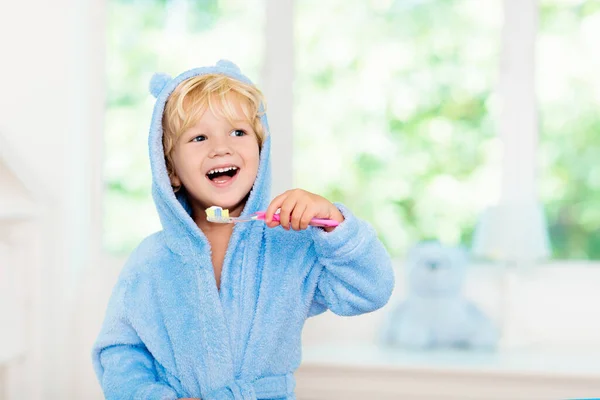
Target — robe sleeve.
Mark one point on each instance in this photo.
(123, 365)
(357, 275)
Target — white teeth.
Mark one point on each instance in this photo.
(213, 171)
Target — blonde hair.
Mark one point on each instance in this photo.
(215, 92)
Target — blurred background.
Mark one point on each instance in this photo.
(423, 116)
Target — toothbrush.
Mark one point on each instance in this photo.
(218, 215)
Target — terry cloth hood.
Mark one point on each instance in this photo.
(169, 333)
(181, 232)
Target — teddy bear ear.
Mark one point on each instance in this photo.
(226, 64)
(423, 246)
(462, 254)
(158, 83)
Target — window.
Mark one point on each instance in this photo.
(396, 115)
(394, 99)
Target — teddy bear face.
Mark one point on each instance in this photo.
(435, 270)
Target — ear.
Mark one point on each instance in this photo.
(175, 181)
(460, 255)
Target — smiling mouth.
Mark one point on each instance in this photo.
(222, 175)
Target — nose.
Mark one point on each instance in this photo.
(220, 147)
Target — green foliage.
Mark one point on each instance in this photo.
(401, 91)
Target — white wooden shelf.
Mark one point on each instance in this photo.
(16, 203)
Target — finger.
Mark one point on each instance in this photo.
(309, 214)
(273, 206)
(299, 210)
(272, 224)
(287, 207)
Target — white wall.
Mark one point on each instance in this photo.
(46, 120)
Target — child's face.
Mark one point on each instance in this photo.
(215, 143)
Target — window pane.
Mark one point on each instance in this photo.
(568, 85)
(393, 112)
(160, 36)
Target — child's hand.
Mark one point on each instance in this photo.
(298, 207)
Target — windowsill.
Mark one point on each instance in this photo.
(549, 363)
(359, 371)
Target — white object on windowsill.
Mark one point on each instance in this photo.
(512, 233)
(515, 236)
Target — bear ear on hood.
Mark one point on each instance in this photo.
(226, 64)
(159, 80)
(158, 83)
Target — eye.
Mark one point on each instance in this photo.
(238, 132)
(199, 138)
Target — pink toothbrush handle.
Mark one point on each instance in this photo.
(313, 222)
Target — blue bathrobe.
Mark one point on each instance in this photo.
(170, 333)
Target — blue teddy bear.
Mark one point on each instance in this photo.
(435, 313)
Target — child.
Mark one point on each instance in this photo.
(215, 311)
